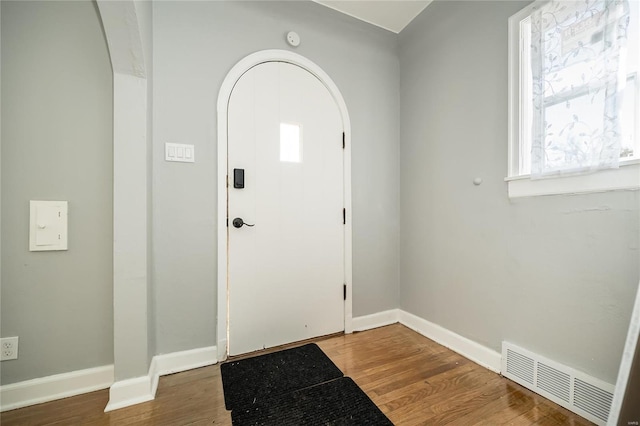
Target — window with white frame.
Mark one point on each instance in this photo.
(574, 97)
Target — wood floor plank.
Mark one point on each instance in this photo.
(499, 411)
(412, 379)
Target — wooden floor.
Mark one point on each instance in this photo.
(413, 380)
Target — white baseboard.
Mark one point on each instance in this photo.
(379, 319)
(124, 393)
(222, 349)
(154, 376)
(45, 389)
(186, 360)
(141, 389)
(477, 353)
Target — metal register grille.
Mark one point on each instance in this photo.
(592, 399)
(584, 395)
(554, 381)
(520, 366)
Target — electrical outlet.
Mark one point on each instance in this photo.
(8, 348)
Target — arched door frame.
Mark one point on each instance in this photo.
(223, 102)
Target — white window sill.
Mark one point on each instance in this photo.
(626, 177)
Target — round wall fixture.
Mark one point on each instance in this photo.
(293, 38)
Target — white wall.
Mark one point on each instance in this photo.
(56, 145)
(195, 45)
(557, 274)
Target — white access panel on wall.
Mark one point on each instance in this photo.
(48, 225)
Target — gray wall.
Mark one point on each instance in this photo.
(56, 145)
(195, 45)
(557, 274)
(553, 274)
(144, 10)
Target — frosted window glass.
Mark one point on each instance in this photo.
(290, 143)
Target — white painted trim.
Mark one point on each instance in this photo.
(223, 101)
(177, 362)
(476, 352)
(626, 177)
(513, 102)
(379, 319)
(121, 394)
(154, 375)
(125, 393)
(50, 388)
(630, 348)
(222, 355)
(141, 389)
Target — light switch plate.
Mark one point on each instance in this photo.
(179, 152)
(48, 225)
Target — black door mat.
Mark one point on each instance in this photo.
(338, 402)
(254, 380)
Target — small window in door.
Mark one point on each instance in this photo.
(290, 143)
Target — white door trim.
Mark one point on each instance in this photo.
(223, 102)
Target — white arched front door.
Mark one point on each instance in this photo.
(225, 174)
(286, 264)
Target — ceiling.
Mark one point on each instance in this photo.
(392, 15)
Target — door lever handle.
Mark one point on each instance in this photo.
(238, 222)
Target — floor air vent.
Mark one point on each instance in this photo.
(584, 395)
(554, 381)
(592, 399)
(520, 366)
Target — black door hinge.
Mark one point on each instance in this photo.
(344, 292)
(227, 222)
(343, 140)
(344, 216)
